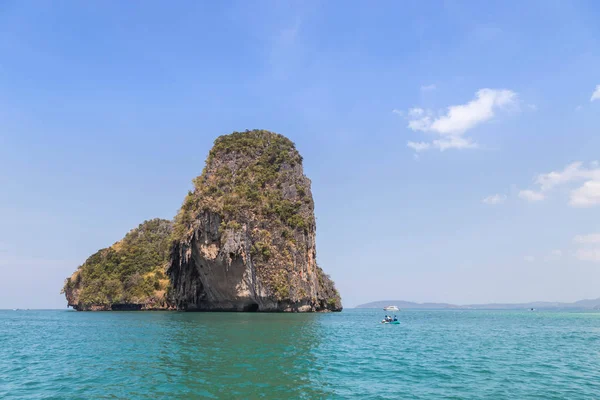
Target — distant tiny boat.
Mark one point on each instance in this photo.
(391, 308)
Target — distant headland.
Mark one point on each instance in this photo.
(593, 304)
(243, 240)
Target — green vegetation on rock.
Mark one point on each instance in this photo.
(245, 173)
(132, 271)
(328, 291)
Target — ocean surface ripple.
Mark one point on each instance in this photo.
(446, 354)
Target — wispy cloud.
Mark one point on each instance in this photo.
(494, 199)
(428, 88)
(586, 195)
(458, 119)
(286, 50)
(588, 255)
(591, 238)
(531, 196)
(418, 146)
(287, 36)
(589, 247)
(554, 255)
(551, 256)
(596, 94)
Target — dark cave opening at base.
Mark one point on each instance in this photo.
(251, 307)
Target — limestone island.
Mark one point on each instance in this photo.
(243, 240)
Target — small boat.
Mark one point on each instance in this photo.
(391, 308)
(391, 322)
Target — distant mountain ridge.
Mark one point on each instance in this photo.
(591, 304)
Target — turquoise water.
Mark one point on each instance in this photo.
(171, 355)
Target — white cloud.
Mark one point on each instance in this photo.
(586, 195)
(531, 196)
(463, 117)
(451, 127)
(418, 146)
(399, 112)
(454, 142)
(589, 247)
(591, 238)
(427, 88)
(529, 258)
(415, 112)
(495, 199)
(579, 108)
(419, 124)
(588, 255)
(596, 94)
(571, 172)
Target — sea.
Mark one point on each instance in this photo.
(432, 354)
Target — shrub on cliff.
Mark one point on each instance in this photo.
(129, 272)
(244, 174)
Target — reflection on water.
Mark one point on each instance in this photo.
(241, 355)
(159, 355)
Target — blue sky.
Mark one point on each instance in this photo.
(452, 146)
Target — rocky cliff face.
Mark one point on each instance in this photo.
(129, 275)
(245, 236)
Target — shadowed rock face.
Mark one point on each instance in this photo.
(245, 237)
